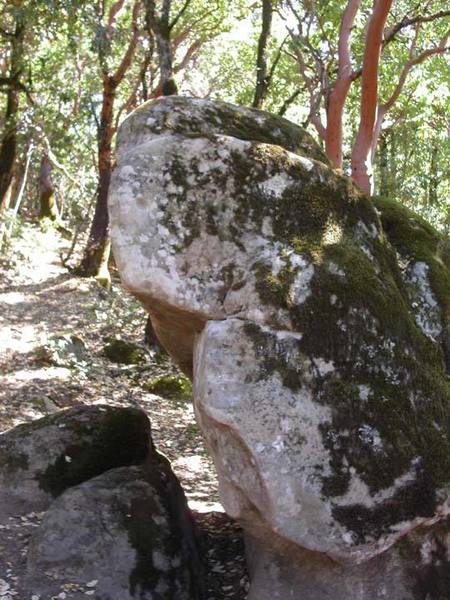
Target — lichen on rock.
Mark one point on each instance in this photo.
(315, 321)
(127, 532)
(41, 459)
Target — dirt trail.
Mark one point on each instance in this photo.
(39, 299)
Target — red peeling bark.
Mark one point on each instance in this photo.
(336, 102)
(362, 150)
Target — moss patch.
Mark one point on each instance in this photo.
(12, 461)
(174, 387)
(416, 239)
(357, 317)
(187, 117)
(124, 352)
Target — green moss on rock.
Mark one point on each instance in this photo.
(186, 116)
(357, 317)
(417, 240)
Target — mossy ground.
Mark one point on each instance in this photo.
(174, 387)
(124, 352)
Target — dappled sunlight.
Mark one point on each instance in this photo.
(26, 375)
(333, 233)
(19, 339)
(43, 302)
(12, 298)
(205, 507)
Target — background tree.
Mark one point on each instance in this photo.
(96, 253)
(12, 35)
(313, 55)
(329, 68)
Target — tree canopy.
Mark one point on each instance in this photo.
(369, 78)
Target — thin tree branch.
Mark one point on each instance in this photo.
(126, 60)
(113, 12)
(416, 60)
(275, 62)
(390, 34)
(189, 55)
(132, 97)
(286, 104)
(180, 14)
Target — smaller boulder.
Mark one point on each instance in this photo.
(41, 459)
(125, 534)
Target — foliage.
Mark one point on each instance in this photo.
(214, 47)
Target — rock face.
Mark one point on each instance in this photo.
(39, 460)
(116, 525)
(316, 325)
(125, 534)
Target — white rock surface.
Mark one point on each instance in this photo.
(320, 389)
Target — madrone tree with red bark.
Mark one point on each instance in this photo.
(329, 66)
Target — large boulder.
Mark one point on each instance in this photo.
(41, 459)
(315, 325)
(122, 535)
(191, 235)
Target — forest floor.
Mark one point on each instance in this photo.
(40, 302)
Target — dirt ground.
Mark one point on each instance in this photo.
(39, 299)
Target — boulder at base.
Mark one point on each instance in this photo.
(315, 323)
(123, 535)
(41, 459)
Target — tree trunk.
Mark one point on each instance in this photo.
(160, 27)
(261, 60)
(8, 146)
(433, 179)
(383, 166)
(168, 85)
(96, 254)
(363, 148)
(47, 202)
(338, 96)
